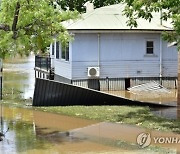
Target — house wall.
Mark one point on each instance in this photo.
(63, 69)
(170, 60)
(121, 56)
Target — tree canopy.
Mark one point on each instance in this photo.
(79, 4)
(169, 9)
(30, 25)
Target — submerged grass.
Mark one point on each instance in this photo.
(139, 116)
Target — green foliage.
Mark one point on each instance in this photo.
(79, 4)
(36, 25)
(143, 9)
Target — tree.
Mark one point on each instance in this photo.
(169, 9)
(79, 4)
(31, 25)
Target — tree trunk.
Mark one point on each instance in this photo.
(15, 21)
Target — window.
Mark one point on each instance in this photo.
(53, 49)
(65, 51)
(149, 47)
(57, 50)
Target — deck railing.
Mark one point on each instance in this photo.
(43, 62)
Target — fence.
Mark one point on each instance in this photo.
(43, 62)
(51, 93)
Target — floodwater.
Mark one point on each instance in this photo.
(158, 98)
(35, 132)
(30, 133)
(18, 78)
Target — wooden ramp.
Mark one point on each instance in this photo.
(51, 93)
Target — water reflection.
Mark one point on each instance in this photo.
(21, 135)
(30, 133)
(169, 113)
(18, 78)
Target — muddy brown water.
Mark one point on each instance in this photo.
(35, 132)
(159, 98)
(41, 132)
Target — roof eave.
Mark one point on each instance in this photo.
(118, 30)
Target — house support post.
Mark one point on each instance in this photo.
(178, 97)
(160, 60)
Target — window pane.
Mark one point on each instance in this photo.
(149, 43)
(149, 50)
(63, 51)
(67, 52)
(57, 50)
(53, 49)
(149, 47)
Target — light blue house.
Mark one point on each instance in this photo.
(106, 54)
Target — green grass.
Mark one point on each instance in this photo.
(140, 116)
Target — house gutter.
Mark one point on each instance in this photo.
(98, 50)
(160, 60)
(116, 31)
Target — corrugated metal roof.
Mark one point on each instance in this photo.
(112, 18)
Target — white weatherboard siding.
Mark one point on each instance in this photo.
(170, 68)
(121, 55)
(85, 47)
(63, 68)
(118, 69)
(170, 60)
(127, 47)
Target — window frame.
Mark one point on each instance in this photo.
(149, 47)
(57, 50)
(65, 54)
(53, 49)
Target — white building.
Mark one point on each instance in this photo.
(105, 53)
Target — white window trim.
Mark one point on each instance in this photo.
(154, 48)
(62, 59)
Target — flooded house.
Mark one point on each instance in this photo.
(106, 54)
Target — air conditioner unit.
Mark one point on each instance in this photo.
(93, 72)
